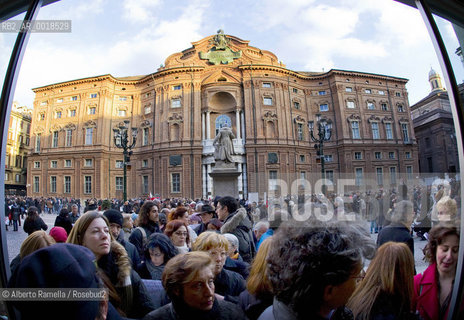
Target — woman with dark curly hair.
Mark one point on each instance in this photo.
(177, 231)
(159, 251)
(434, 287)
(313, 267)
(147, 224)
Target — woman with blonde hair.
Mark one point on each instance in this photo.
(127, 292)
(258, 295)
(387, 288)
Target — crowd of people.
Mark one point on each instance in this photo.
(229, 259)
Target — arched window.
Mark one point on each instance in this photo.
(222, 121)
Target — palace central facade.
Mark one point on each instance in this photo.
(220, 80)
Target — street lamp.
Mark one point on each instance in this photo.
(121, 140)
(324, 128)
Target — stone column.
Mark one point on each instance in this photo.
(203, 126)
(205, 181)
(240, 183)
(237, 122)
(245, 181)
(243, 126)
(208, 126)
(210, 181)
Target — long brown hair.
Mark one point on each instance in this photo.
(391, 272)
(258, 283)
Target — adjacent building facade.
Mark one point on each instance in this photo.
(17, 149)
(434, 130)
(221, 80)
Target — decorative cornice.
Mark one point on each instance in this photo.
(387, 119)
(300, 120)
(270, 116)
(354, 117)
(145, 124)
(90, 124)
(175, 118)
(373, 118)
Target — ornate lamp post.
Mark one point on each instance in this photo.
(121, 140)
(324, 133)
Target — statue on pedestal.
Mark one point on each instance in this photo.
(224, 146)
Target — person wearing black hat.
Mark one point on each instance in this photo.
(206, 214)
(115, 219)
(60, 266)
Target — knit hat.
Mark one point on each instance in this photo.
(59, 234)
(61, 265)
(114, 216)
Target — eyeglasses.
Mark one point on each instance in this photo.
(181, 234)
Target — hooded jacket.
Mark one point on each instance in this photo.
(239, 224)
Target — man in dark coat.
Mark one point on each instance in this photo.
(237, 221)
(115, 219)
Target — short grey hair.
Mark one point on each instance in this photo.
(260, 224)
(233, 240)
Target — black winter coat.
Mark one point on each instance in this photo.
(32, 224)
(239, 224)
(136, 237)
(64, 221)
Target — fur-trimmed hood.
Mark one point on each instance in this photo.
(238, 218)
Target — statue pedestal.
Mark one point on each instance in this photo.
(224, 176)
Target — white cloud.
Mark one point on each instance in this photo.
(140, 11)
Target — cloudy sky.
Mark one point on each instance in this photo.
(134, 37)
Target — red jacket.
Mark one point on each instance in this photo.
(426, 294)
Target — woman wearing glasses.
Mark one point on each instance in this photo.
(177, 231)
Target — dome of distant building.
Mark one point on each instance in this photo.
(432, 73)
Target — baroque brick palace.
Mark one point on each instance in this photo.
(179, 109)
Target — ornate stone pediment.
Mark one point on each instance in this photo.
(387, 119)
(90, 124)
(39, 129)
(175, 118)
(299, 119)
(145, 124)
(270, 116)
(373, 118)
(55, 127)
(403, 120)
(220, 52)
(354, 117)
(70, 126)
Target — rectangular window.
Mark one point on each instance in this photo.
(145, 134)
(323, 107)
(119, 164)
(67, 184)
(384, 107)
(302, 158)
(272, 180)
(93, 95)
(92, 110)
(17, 178)
(381, 92)
(88, 162)
(378, 155)
(7, 176)
(74, 98)
(328, 158)
(295, 90)
(43, 103)
(266, 84)
(37, 142)
(296, 105)
(375, 130)
(87, 184)
(404, 128)
(175, 182)
(177, 87)
(358, 155)
(121, 113)
(391, 155)
(68, 137)
(54, 164)
(122, 98)
(350, 104)
(55, 139)
(349, 89)
(59, 100)
(322, 93)
(369, 91)
(393, 175)
(389, 131)
(407, 155)
(398, 94)
(144, 163)
(67, 163)
(145, 184)
(72, 113)
(147, 109)
(355, 130)
(329, 175)
(358, 176)
(400, 108)
(303, 175)
(409, 172)
(379, 172)
(267, 101)
(58, 115)
(300, 131)
(370, 106)
(36, 184)
(88, 136)
(42, 116)
(119, 183)
(36, 164)
(53, 184)
(175, 103)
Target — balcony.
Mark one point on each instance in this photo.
(208, 148)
